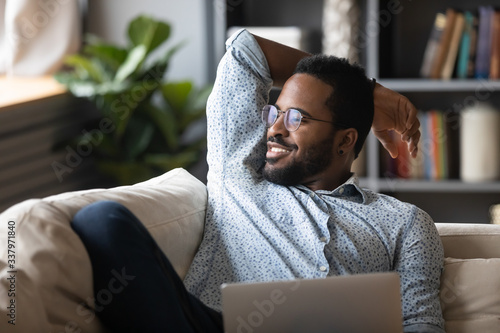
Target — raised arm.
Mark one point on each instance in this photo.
(281, 59)
(393, 111)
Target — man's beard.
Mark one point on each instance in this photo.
(316, 160)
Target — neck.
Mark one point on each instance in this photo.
(329, 183)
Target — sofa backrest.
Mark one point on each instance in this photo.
(468, 241)
(53, 271)
(470, 283)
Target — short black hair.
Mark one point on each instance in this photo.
(351, 101)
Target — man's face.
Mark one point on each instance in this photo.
(306, 154)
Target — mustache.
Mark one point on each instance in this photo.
(280, 141)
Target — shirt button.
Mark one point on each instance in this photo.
(311, 195)
(323, 239)
(341, 190)
(322, 268)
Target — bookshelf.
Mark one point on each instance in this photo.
(395, 57)
(395, 38)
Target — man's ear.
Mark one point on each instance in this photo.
(348, 140)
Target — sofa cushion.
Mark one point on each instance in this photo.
(470, 295)
(52, 272)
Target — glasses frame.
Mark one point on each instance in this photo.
(285, 113)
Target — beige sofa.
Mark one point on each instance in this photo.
(47, 287)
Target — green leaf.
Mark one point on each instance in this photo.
(134, 60)
(108, 54)
(176, 94)
(138, 137)
(146, 31)
(86, 67)
(157, 69)
(89, 89)
(66, 78)
(167, 124)
(83, 88)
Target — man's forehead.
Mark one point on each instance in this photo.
(304, 91)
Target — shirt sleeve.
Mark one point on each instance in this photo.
(420, 265)
(236, 145)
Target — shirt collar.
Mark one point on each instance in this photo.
(350, 188)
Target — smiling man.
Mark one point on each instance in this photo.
(335, 123)
(282, 201)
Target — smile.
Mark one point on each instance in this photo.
(279, 150)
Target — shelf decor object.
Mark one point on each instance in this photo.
(341, 28)
(480, 144)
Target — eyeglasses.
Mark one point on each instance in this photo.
(292, 119)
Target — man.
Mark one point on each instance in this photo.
(282, 205)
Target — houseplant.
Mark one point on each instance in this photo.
(149, 120)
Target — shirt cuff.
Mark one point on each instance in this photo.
(422, 328)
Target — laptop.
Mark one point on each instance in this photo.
(353, 304)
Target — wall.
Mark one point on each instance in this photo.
(189, 21)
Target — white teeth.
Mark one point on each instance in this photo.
(279, 150)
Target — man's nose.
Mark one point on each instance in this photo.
(278, 127)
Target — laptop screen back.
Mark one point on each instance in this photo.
(355, 303)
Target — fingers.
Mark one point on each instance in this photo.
(412, 112)
(388, 142)
(412, 131)
(411, 134)
(413, 144)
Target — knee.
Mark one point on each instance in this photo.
(96, 217)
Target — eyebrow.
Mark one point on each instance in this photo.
(304, 112)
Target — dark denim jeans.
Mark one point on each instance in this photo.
(136, 288)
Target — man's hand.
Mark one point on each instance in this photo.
(395, 112)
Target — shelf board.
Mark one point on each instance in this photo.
(428, 85)
(17, 90)
(457, 186)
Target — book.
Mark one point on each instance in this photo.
(438, 137)
(435, 134)
(443, 139)
(427, 145)
(433, 45)
(451, 54)
(452, 128)
(483, 52)
(495, 47)
(424, 145)
(444, 44)
(471, 66)
(465, 46)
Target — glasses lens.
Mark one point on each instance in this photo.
(269, 115)
(292, 120)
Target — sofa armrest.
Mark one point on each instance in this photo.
(52, 272)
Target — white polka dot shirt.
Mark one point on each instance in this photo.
(259, 231)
